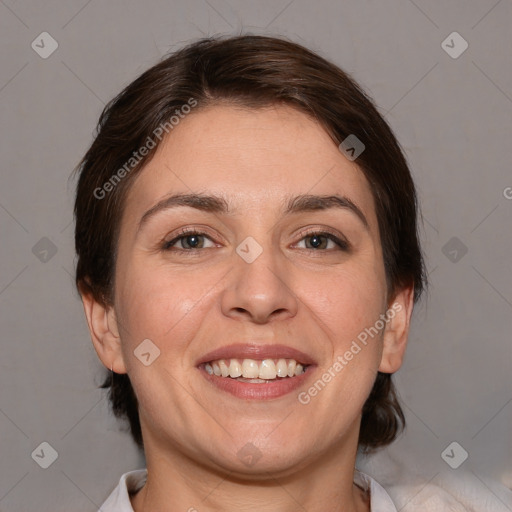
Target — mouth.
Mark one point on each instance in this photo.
(256, 371)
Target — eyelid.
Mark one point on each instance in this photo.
(182, 232)
(338, 237)
(335, 236)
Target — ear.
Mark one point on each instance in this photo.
(396, 331)
(104, 331)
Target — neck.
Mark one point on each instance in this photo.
(176, 482)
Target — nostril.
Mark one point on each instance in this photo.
(280, 311)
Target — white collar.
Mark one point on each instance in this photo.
(133, 481)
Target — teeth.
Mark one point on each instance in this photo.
(282, 368)
(267, 369)
(235, 369)
(224, 370)
(251, 381)
(250, 369)
(253, 370)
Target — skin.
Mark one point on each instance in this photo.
(316, 299)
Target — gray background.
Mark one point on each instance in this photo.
(453, 118)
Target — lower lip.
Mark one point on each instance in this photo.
(262, 391)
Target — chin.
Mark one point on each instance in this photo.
(260, 459)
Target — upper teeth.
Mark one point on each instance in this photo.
(267, 369)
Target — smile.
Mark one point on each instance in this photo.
(254, 370)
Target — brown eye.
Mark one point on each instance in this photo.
(317, 242)
(188, 241)
(323, 241)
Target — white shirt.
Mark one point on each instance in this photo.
(133, 481)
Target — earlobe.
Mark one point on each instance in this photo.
(104, 332)
(396, 331)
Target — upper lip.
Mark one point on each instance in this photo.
(256, 351)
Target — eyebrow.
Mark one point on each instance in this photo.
(305, 203)
(218, 205)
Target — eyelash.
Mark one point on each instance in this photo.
(342, 244)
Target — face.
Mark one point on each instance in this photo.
(280, 262)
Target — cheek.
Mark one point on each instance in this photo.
(345, 301)
(154, 304)
(346, 306)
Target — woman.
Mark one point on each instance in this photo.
(248, 261)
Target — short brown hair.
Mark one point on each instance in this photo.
(251, 71)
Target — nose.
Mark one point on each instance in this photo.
(259, 291)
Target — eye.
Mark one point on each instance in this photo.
(189, 240)
(323, 240)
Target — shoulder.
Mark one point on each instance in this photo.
(424, 485)
(448, 493)
(119, 499)
(380, 501)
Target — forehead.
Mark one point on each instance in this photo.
(256, 157)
